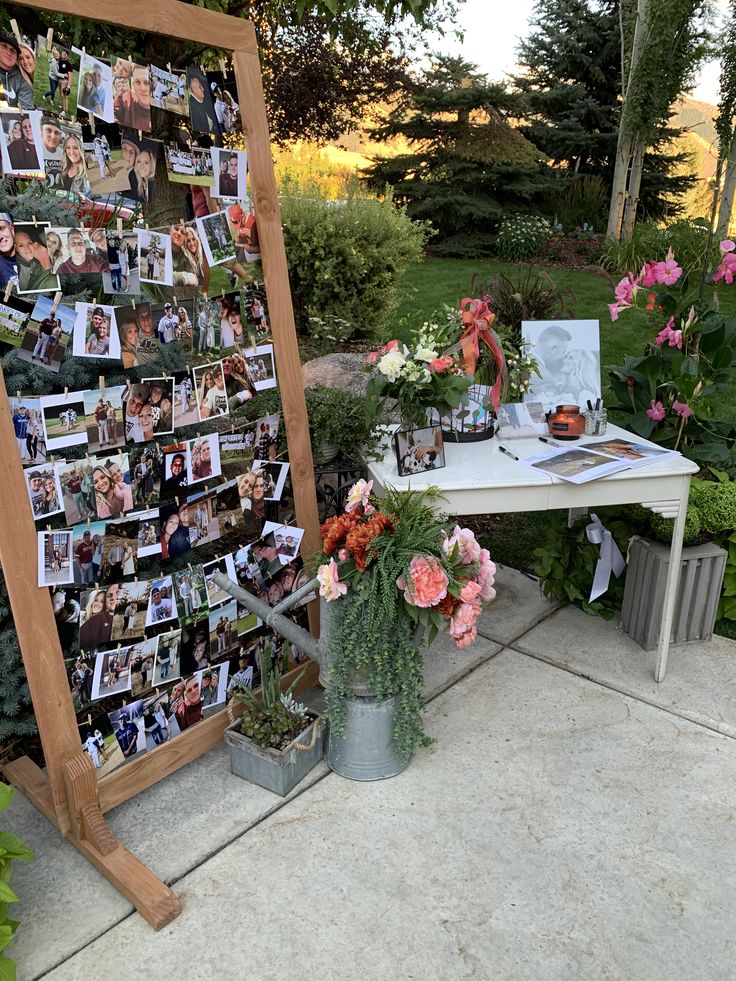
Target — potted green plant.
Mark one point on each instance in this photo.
(339, 424)
(277, 740)
(11, 848)
(392, 574)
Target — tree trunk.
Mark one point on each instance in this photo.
(625, 144)
(632, 196)
(727, 194)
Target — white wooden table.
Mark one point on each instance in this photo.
(479, 479)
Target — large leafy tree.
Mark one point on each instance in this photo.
(466, 166)
(324, 62)
(570, 81)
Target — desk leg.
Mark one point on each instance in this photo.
(673, 579)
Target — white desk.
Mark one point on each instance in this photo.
(479, 479)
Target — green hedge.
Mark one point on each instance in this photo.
(345, 259)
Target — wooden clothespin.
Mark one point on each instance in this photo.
(49, 38)
(15, 28)
(18, 396)
(223, 68)
(57, 300)
(132, 300)
(8, 289)
(120, 225)
(91, 120)
(101, 384)
(66, 391)
(35, 223)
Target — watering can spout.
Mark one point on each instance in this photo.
(273, 616)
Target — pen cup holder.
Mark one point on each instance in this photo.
(596, 422)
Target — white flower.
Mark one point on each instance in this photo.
(425, 354)
(391, 364)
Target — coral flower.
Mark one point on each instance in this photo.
(329, 582)
(462, 627)
(427, 582)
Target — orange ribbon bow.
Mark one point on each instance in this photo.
(477, 323)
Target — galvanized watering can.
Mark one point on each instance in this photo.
(365, 750)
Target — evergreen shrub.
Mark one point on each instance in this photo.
(346, 258)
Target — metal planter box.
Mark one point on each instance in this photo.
(701, 581)
(278, 771)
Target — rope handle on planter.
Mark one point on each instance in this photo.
(303, 749)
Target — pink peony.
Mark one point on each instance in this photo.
(468, 549)
(667, 272)
(656, 411)
(427, 582)
(329, 582)
(371, 358)
(682, 409)
(462, 627)
(390, 346)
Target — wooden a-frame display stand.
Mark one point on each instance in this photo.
(68, 792)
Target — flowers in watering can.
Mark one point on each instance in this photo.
(394, 573)
(443, 577)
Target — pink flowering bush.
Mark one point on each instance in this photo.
(672, 393)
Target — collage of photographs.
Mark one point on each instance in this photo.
(135, 516)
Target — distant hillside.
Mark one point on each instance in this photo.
(699, 118)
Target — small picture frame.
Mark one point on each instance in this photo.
(419, 450)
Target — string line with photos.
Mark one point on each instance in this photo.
(140, 649)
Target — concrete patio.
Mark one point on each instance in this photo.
(574, 820)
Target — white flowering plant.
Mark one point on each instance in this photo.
(420, 375)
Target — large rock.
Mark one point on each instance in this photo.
(340, 370)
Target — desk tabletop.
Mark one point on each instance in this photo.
(479, 478)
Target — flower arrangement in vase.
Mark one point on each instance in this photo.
(670, 393)
(443, 377)
(397, 576)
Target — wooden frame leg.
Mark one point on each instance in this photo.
(673, 580)
(153, 899)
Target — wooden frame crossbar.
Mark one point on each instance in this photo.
(68, 792)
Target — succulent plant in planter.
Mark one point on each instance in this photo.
(277, 740)
(275, 718)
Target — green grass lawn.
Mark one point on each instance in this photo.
(429, 284)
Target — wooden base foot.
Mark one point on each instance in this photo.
(90, 833)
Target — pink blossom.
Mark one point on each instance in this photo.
(427, 582)
(469, 594)
(468, 548)
(727, 268)
(371, 358)
(390, 346)
(656, 411)
(682, 409)
(667, 272)
(614, 310)
(672, 337)
(330, 586)
(486, 576)
(626, 289)
(647, 276)
(358, 496)
(462, 627)
(727, 245)
(343, 555)
(438, 365)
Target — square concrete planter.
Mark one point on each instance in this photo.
(698, 592)
(278, 771)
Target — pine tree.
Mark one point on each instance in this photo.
(571, 87)
(467, 167)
